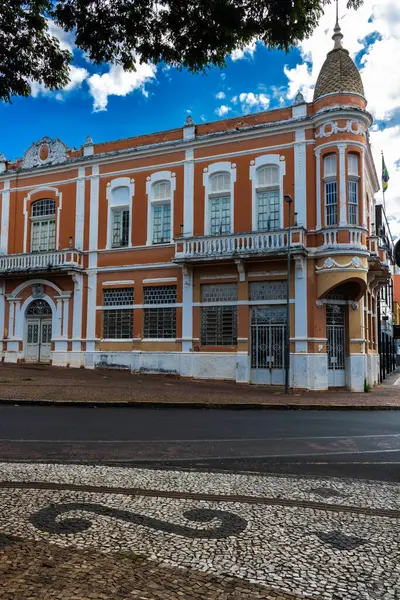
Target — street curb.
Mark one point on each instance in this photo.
(197, 405)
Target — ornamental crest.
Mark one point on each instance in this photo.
(45, 152)
(37, 290)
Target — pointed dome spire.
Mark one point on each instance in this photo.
(339, 74)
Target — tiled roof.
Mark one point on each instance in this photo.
(338, 75)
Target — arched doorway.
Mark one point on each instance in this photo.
(38, 331)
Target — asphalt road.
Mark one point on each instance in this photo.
(363, 444)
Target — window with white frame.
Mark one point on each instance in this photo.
(161, 212)
(219, 199)
(219, 322)
(43, 225)
(352, 189)
(268, 198)
(118, 313)
(119, 216)
(330, 189)
(159, 321)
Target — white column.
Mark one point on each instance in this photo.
(300, 179)
(91, 312)
(343, 187)
(5, 215)
(188, 198)
(11, 318)
(94, 209)
(187, 309)
(318, 188)
(2, 308)
(80, 209)
(65, 317)
(58, 319)
(77, 312)
(300, 307)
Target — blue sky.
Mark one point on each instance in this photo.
(107, 103)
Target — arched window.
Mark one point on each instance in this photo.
(219, 199)
(352, 187)
(43, 225)
(267, 198)
(161, 212)
(330, 190)
(38, 308)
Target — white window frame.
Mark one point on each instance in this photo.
(41, 219)
(331, 178)
(27, 210)
(265, 160)
(115, 205)
(354, 178)
(208, 172)
(151, 202)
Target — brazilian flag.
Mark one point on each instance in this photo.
(385, 175)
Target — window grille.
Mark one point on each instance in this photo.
(331, 203)
(219, 326)
(267, 290)
(353, 202)
(159, 294)
(268, 213)
(43, 208)
(161, 223)
(118, 296)
(222, 292)
(118, 324)
(120, 227)
(38, 308)
(263, 315)
(159, 323)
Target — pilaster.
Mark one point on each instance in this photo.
(187, 309)
(342, 185)
(300, 177)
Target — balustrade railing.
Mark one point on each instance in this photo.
(238, 244)
(332, 237)
(41, 260)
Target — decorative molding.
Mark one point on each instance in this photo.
(45, 152)
(332, 127)
(241, 270)
(161, 280)
(330, 263)
(120, 282)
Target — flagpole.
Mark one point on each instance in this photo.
(383, 184)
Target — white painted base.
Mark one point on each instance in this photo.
(373, 369)
(309, 371)
(356, 372)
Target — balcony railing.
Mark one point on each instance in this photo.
(41, 261)
(343, 237)
(239, 244)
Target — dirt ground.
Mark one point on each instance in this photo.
(32, 382)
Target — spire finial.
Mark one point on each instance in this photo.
(338, 35)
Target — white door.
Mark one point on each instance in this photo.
(38, 340)
(268, 336)
(336, 347)
(32, 340)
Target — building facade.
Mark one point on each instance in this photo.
(167, 252)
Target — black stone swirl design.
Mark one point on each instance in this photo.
(229, 523)
(6, 540)
(339, 540)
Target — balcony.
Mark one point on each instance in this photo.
(238, 245)
(344, 237)
(40, 262)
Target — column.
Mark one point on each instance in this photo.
(188, 198)
(2, 310)
(187, 309)
(363, 192)
(91, 312)
(5, 215)
(300, 307)
(300, 178)
(77, 312)
(80, 209)
(318, 188)
(342, 185)
(92, 276)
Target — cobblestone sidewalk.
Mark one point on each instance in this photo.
(32, 383)
(92, 533)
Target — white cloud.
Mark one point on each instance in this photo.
(222, 110)
(77, 76)
(253, 102)
(118, 82)
(66, 38)
(220, 95)
(246, 52)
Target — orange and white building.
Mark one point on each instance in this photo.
(167, 252)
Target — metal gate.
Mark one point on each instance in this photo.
(336, 346)
(268, 335)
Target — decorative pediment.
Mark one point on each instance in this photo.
(45, 152)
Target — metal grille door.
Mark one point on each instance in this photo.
(336, 346)
(268, 335)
